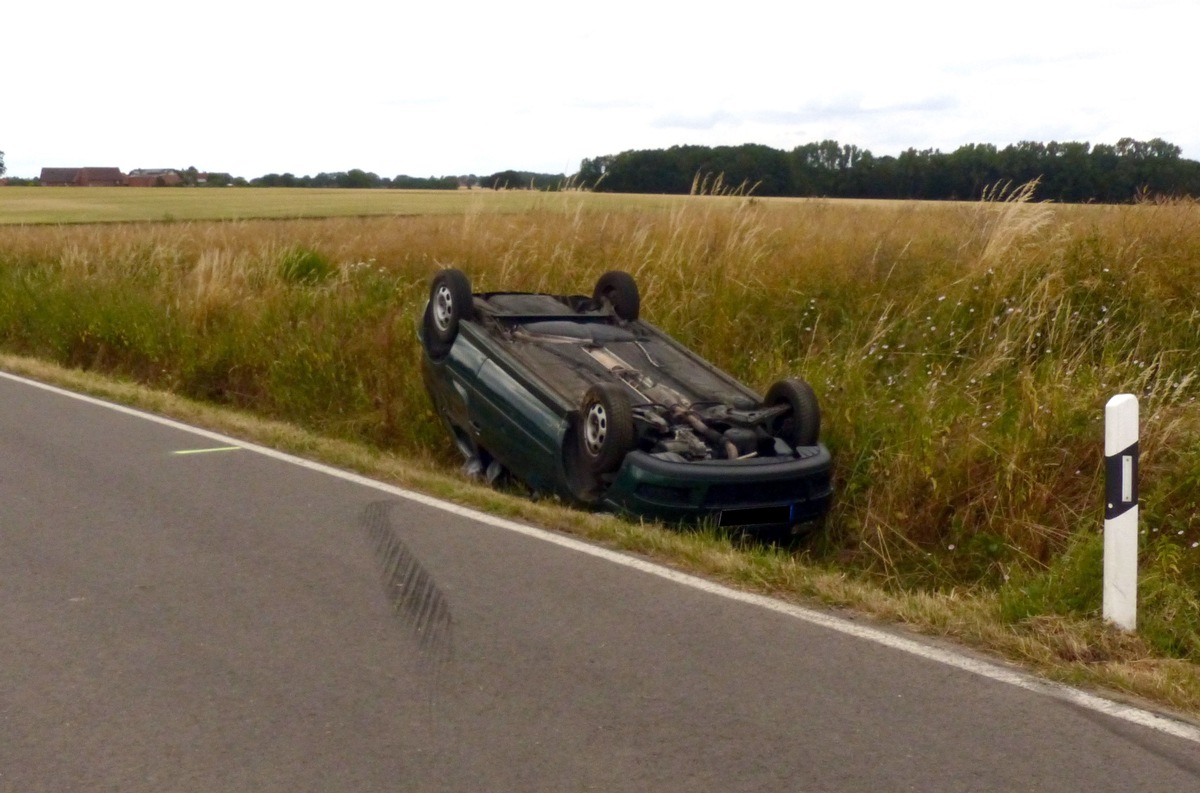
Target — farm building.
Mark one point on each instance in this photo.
(83, 177)
(154, 177)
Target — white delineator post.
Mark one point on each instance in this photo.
(1121, 511)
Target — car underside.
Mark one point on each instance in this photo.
(578, 395)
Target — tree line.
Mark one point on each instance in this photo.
(356, 178)
(1068, 172)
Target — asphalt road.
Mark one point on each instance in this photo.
(229, 621)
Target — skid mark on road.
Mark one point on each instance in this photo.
(421, 607)
(408, 586)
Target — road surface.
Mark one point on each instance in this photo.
(179, 615)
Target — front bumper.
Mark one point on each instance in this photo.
(759, 492)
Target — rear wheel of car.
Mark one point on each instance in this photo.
(801, 425)
(606, 432)
(620, 290)
(449, 303)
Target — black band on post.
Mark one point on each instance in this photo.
(1120, 482)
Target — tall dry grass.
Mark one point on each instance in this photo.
(962, 352)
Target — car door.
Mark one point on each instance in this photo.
(517, 427)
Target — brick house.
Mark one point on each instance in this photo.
(83, 177)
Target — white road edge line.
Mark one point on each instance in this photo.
(991, 671)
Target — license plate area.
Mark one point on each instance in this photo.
(756, 516)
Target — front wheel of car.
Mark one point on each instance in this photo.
(800, 425)
(449, 304)
(620, 290)
(606, 432)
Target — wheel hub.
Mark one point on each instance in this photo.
(595, 429)
(443, 308)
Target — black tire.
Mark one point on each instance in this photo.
(605, 433)
(800, 426)
(449, 304)
(620, 290)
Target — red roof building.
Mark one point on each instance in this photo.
(83, 177)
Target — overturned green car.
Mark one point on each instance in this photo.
(575, 395)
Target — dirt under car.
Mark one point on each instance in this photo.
(578, 396)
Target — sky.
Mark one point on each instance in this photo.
(251, 87)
